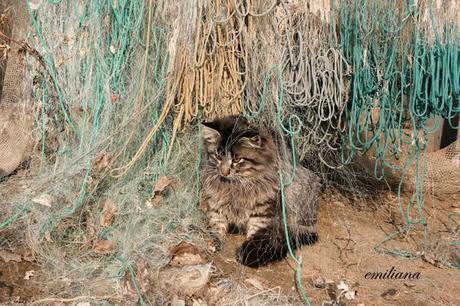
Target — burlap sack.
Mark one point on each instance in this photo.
(15, 140)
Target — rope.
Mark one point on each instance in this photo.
(404, 83)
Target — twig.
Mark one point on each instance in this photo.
(347, 244)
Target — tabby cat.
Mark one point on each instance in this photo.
(241, 191)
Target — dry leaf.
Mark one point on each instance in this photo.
(108, 213)
(345, 291)
(29, 274)
(186, 254)
(113, 98)
(44, 199)
(156, 200)
(104, 247)
(158, 191)
(102, 162)
(143, 280)
(162, 183)
(8, 256)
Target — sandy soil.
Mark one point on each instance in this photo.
(346, 253)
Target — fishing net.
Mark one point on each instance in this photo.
(116, 89)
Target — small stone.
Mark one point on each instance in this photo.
(409, 285)
(319, 282)
(389, 293)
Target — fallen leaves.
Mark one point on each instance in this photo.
(44, 199)
(108, 213)
(104, 247)
(102, 162)
(185, 253)
(159, 191)
(345, 291)
(113, 98)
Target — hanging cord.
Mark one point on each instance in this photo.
(291, 132)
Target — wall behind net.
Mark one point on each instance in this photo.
(119, 83)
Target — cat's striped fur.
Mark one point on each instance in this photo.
(241, 191)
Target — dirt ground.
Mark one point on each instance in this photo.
(344, 253)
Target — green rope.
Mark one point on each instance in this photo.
(408, 82)
(52, 69)
(292, 133)
(132, 274)
(298, 263)
(14, 217)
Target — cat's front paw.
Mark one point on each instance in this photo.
(248, 254)
(260, 250)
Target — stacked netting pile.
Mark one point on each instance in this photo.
(120, 86)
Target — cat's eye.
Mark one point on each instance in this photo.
(238, 160)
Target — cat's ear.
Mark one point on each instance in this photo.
(211, 136)
(252, 142)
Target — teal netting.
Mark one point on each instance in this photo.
(405, 71)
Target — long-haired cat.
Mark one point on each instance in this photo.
(241, 191)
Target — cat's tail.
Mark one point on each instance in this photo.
(266, 246)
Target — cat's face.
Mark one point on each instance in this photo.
(236, 150)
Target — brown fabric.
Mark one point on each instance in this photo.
(16, 120)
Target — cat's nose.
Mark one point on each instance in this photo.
(224, 170)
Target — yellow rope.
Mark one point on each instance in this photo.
(211, 79)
